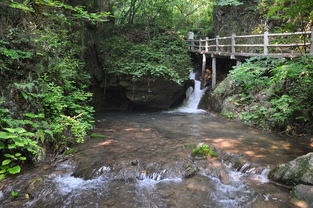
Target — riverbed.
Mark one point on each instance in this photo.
(145, 161)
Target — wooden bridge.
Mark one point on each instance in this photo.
(280, 45)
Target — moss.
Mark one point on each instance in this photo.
(94, 135)
(203, 150)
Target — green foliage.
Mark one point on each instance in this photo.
(69, 151)
(15, 142)
(203, 150)
(43, 80)
(14, 193)
(290, 14)
(94, 135)
(54, 8)
(228, 3)
(176, 15)
(274, 93)
(164, 56)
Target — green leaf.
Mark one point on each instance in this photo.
(2, 146)
(15, 130)
(31, 115)
(49, 132)
(9, 156)
(18, 154)
(22, 158)
(28, 134)
(2, 176)
(6, 162)
(5, 135)
(16, 169)
(12, 146)
(14, 193)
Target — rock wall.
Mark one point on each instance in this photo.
(142, 93)
(242, 19)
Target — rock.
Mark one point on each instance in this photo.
(134, 162)
(219, 99)
(297, 171)
(33, 186)
(190, 170)
(224, 177)
(303, 193)
(150, 94)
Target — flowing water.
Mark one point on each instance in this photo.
(145, 162)
(193, 97)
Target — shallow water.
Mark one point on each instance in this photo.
(144, 160)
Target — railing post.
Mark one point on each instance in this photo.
(266, 42)
(217, 43)
(203, 71)
(213, 72)
(206, 44)
(200, 45)
(233, 43)
(311, 47)
(193, 45)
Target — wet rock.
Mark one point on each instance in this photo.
(297, 171)
(33, 186)
(224, 177)
(303, 193)
(41, 156)
(134, 162)
(14, 204)
(154, 94)
(190, 170)
(216, 100)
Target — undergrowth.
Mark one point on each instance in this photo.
(272, 93)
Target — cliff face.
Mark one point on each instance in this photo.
(242, 19)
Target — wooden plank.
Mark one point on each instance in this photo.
(278, 55)
(289, 45)
(266, 43)
(288, 34)
(203, 71)
(249, 45)
(221, 46)
(250, 36)
(224, 38)
(213, 72)
(206, 44)
(217, 43)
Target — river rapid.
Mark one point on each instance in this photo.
(145, 162)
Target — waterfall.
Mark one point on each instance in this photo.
(193, 97)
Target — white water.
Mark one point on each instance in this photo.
(193, 97)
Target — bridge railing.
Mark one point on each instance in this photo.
(266, 44)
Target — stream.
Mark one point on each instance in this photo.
(145, 162)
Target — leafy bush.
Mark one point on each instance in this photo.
(45, 86)
(15, 143)
(164, 56)
(274, 93)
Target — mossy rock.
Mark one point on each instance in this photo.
(303, 193)
(297, 171)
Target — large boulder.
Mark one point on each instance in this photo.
(303, 193)
(219, 99)
(297, 171)
(154, 94)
